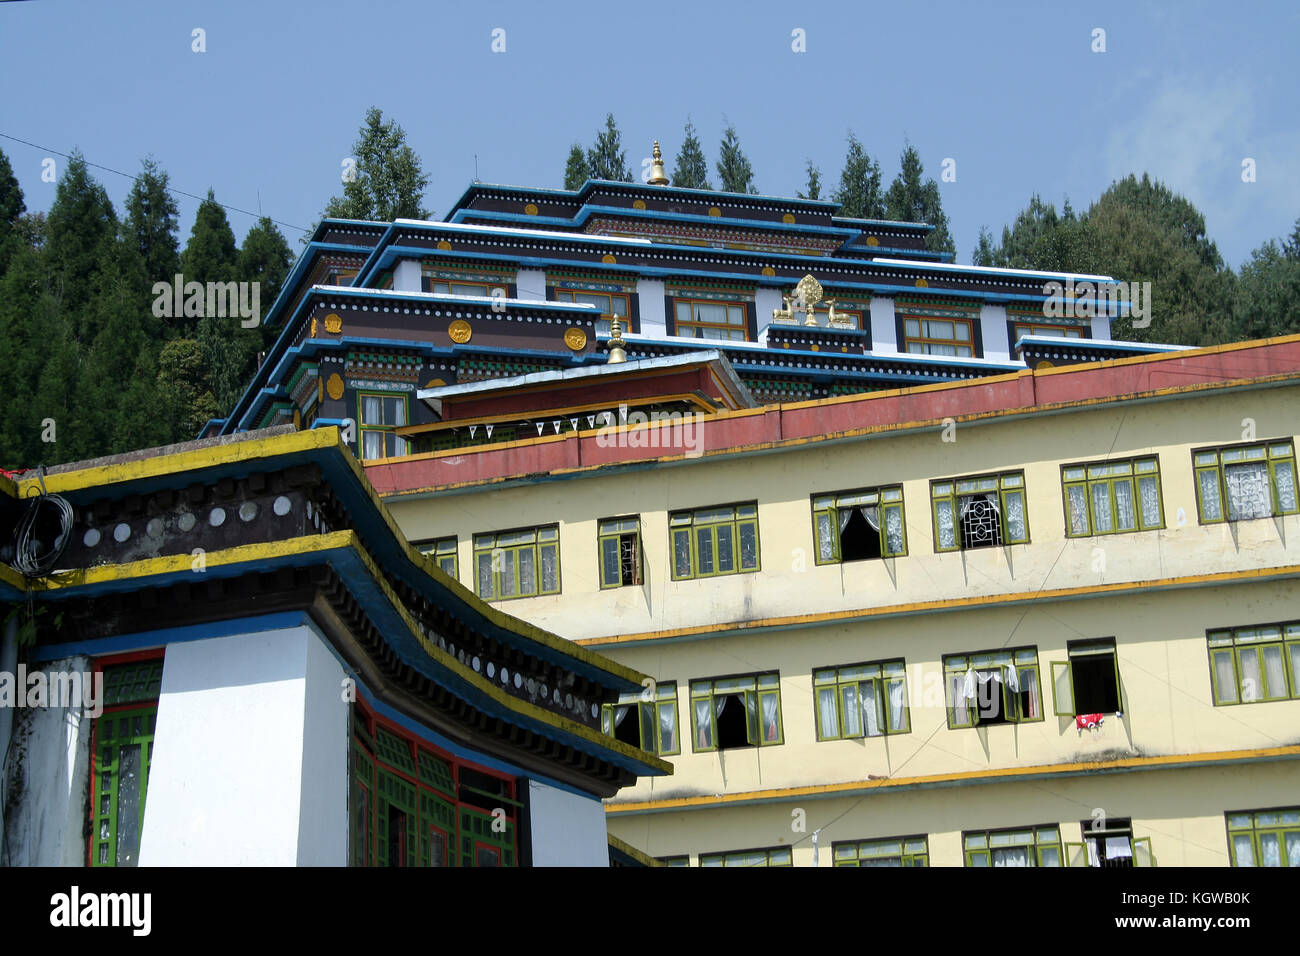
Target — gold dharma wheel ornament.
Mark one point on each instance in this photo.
(459, 331)
(808, 292)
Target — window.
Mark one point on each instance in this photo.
(340, 277)
(854, 317)
(937, 337)
(1088, 683)
(776, 856)
(442, 550)
(121, 759)
(1251, 665)
(979, 512)
(992, 687)
(647, 720)
(1110, 846)
(1037, 846)
(1112, 497)
(414, 805)
(707, 319)
(896, 851)
(620, 552)
(379, 415)
(1245, 481)
(856, 525)
(736, 712)
(1265, 837)
(451, 287)
(609, 304)
(520, 563)
(674, 860)
(865, 700)
(1037, 328)
(712, 541)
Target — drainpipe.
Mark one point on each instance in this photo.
(8, 665)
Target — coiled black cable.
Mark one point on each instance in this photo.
(31, 558)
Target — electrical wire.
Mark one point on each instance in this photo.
(29, 558)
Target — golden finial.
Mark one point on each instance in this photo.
(616, 343)
(657, 175)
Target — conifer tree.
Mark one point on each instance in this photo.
(735, 173)
(11, 209)
(265, 258)
(814, 186)
(576, 170)
(691, 170)
(911, 200)
(983, 254)
(607, 159)
(859, 190)
(150, 225)
(388, 182)
(81, 232)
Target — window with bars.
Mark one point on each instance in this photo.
(710, 319)
(412, 805)
(1264, 837)
(1112, 497)
(857, 525)
(862, 700)
(1033, 846)
(647, 719)
(443, 551)
(730, 712)
(1088, 683)
(121, 759)
(610, 305)
(979, 512)
(377, 416)
(894, 851)
(992, 687)
(522, 563)
(619, 541)
(1110, 846)
(1245, 481)
(772, 856)
(1251, 665)
(713, 541)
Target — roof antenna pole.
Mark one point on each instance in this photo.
(476, 167)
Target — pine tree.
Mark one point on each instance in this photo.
(814, 186)
(151, 223)
(911, 200)
(691, 171)
(183, 388)
(11, 209)
(734, 171)
(388, 183)
(576, 170)
(81, 232)
(265, 258)
(210, 255)
(859, 191)
(983, 254)
(606, 159)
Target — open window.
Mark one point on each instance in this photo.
(620, 552)
(736, 712)
(859, 525)
(647, 720)
(1112, 846)
(1088, 683)
(993, 687)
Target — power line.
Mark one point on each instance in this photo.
(178, 192)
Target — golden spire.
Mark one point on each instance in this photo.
(616, 343)
(657, 175)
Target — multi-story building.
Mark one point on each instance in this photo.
(934, 573)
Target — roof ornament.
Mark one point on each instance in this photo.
(658, 177)
(616, 343)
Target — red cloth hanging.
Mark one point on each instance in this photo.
(1088, 721)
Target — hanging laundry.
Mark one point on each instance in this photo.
(1088, 721)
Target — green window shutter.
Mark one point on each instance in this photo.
(1062, 689)
(1076, 854)
(1142, 852)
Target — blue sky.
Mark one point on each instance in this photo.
(1013, 93)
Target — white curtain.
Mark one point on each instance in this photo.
(894, 530)
(1242, 850)
(769, 717)
(1248, 495)
(1016, 530)
(826, 712)
(620, 713)
(1148, 491)
(825, 539)
(1103, 521)
(957, 695)
(1251, 688)
(703, 724)
(1293, 849)
(871, 707)
(1211, 506)
(668, 727)
(897, 695)
(1118, 848)
(1125, 513)
(947, 533)
(370, 410)
(1226, 676)
(1011, 856)
(1284, 480)
(1078, 499)
(1275, 670)
(1270, 850)
(852, 710)
(990, 693)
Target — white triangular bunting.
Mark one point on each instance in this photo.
(540, 426)
(556, 426)
(591, 421)
(574, 423)
(472, 430)
(488, 429)
(609, 418)
(622, 412)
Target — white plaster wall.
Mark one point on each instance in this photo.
(250, 757)
(406, 277)
(47, 772)
(567, 830)
(1101, 326)
(530, 284)
(884, 338)
(765, 300)
(650, 300)
(993, 329)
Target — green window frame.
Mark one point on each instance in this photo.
(1112, 497)
(979, 511)
(1254, 665)
(861, 700)
(964, 672)
(655, 709)
(524, 562)
(709, 542)
(444, 553)
(891, 851)
(378, 414)
(881, 507)
(1264, 837)
(121, 760)
(674, 860)
(618, 542)
(768, 856)
(1064, 695)
(1038, 845)
(759, 694)
(1233, 481)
